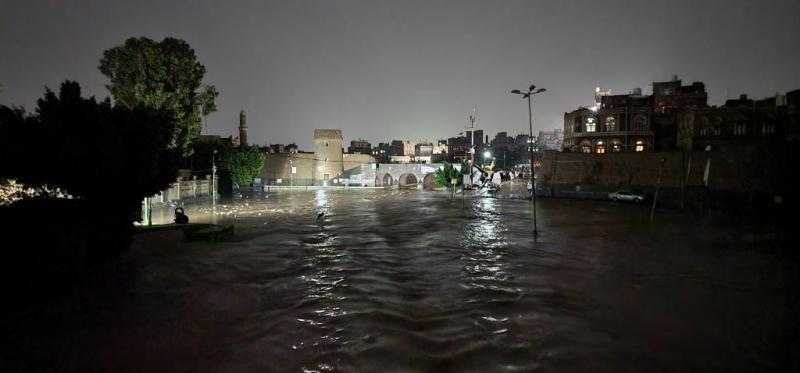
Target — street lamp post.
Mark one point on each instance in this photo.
(529, 95)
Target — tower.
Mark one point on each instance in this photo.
(242, 129)
(328, 157)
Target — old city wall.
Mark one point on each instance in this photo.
(277, 166)
(744, 171)
(352, 161)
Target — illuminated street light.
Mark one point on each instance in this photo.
(487, 154)
(529, 95)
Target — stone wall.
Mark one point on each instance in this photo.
(277, 167)
(745, 170)
(186, 189)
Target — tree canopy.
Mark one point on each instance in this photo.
(163, 75)
(443, 175)
(92, 150)
(244, 163)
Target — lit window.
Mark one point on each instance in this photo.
(600, 148)
(616, 147)
(591, 126)
(611, 124)
(639, 146)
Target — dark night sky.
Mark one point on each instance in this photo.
(410, 69)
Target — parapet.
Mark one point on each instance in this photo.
(329, 134)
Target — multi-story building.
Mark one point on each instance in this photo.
(360, 146)
(397, 147)
(409, 147)
(423, 149)
(740, 123)
(382, 152)
(458, 147)
(632, 122)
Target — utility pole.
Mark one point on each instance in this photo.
(529, 95)
(213, 179)
(658, 186)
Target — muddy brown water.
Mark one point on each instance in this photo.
(408, 281)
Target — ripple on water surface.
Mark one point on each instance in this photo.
(413, 281)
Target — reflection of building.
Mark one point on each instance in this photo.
(632, 122)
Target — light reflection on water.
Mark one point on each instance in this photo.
(416, 281)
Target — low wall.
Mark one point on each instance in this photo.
(186, 189)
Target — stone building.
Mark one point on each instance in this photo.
(382, 152)
(360, 146)
(739, 124)
(326, 165)
(329, 154)
(632, 122)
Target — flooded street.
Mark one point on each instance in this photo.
(416, 281)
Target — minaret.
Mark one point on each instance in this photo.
(242, 129)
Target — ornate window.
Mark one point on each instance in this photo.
(640, 123)
(611, 124)
(640, 146)
(577, 126)
(586, 147)
(599, 147)
(591, 126)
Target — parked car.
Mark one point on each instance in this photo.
(626, 196)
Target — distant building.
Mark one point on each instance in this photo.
(458, 147)
(549, 140)
(409, 147)
(328, 153)
(327, 165)
(360, 146)
(382, 152)
(397, 147)
(423, 149)
(242, 129)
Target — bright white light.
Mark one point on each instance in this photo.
(487, 154)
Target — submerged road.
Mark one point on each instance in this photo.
(414, 281)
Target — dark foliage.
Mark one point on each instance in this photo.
(88, 149)
(163, 75)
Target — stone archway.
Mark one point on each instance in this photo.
(429, 181)
(407, 180)
(388, 181)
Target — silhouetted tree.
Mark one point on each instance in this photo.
(163, 75)
(104, 155)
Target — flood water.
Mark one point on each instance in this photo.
(412, 281)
